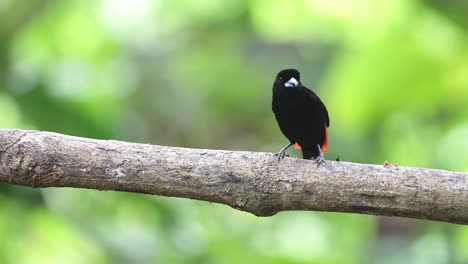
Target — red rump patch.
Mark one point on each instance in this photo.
(325, 142)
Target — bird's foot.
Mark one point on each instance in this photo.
(320, 158)
(282, 153)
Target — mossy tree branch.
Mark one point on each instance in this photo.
(249, 181)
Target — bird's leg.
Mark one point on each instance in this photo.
(319, 159)
(282, 153)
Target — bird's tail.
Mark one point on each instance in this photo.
(310, 153)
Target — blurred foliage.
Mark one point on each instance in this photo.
(393, 74)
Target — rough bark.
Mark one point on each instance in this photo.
(249, 181)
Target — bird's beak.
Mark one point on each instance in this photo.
(291, 83)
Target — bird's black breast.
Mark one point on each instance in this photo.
(300, 117)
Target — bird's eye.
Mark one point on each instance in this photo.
(280, 78)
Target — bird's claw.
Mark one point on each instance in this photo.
(319, 160)
(281, 155)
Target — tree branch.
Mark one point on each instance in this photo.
(249, 181)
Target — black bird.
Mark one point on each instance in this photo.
(301, 116)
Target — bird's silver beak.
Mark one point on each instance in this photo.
(291, 83)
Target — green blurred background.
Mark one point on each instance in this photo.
(198, 73)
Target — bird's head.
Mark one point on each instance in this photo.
(288, 78)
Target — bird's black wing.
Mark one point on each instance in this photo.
(317, 104)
